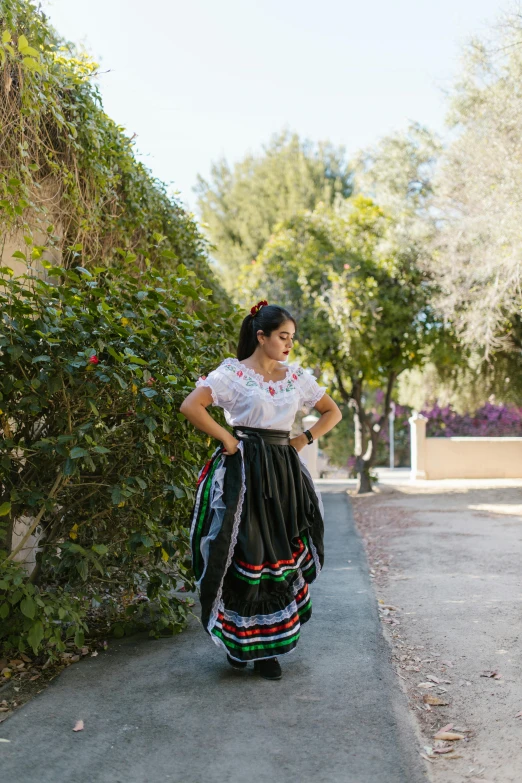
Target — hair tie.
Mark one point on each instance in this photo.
(256, 308)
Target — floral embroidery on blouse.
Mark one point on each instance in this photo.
(252, 379)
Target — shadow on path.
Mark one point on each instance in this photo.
(173, 710)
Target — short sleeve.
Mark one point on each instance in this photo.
(310, 391)
(223, 393)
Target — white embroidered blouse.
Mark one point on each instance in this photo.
(250, 401)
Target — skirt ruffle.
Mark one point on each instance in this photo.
(254, 556)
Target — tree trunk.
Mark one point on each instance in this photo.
(366, 432)
(363, 445)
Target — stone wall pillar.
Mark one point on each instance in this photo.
(418, 445)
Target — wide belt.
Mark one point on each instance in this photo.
(262, 436)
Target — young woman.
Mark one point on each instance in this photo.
(257, 522)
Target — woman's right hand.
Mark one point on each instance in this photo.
(231, 445)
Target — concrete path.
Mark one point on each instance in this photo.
(173, 710)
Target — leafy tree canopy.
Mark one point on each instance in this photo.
(363, 304)
(241, 205)
(478, 249)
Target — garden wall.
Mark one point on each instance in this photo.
(462, 457)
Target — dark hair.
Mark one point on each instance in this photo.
(268, 318)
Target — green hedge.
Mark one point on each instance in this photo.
(96, 358)
(93, 368)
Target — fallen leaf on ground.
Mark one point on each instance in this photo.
(491, 673)
(449, 736)
(434, 700)
(78, 726)
(426, 685)
(518, 715)
(432, 678)
(4, 740)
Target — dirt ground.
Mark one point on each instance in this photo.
(446, 560)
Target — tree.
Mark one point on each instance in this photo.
(398, 171)
(478, 247)
(362, 304)
(241, 206)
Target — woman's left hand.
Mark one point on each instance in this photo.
(299, 442)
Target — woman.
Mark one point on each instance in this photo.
(257, 522)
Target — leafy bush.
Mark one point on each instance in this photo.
(93, 368)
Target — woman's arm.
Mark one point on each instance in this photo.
(330, 416)
(194, 407)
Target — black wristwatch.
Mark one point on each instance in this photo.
(309, 436)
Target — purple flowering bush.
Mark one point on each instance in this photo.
(488, 421)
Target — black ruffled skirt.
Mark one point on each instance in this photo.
(257, 543)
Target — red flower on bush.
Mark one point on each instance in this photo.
(151, 381)
(94, 359)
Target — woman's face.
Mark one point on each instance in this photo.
(280, 342)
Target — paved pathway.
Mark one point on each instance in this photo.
(172, 710)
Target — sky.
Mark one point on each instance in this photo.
(204, 79)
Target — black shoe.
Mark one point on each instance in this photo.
(236, 664)
(268, 668)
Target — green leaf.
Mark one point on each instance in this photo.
(42, 358)
(35, 635)
(178, 491)
(114, 354)
(30, 52)
(32, 65)
(116, 495)
(23, 43)
(28, 607)
(79, 637)
(69, 467)
(83, 569)
(5, 508)
(93, 407)
(100, 549)
(4, 611)
(78, 452)
(136, 360)
(19, 254)
(101, 450)
(6, 36)
(120, 380)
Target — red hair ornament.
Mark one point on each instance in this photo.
(256, 308)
